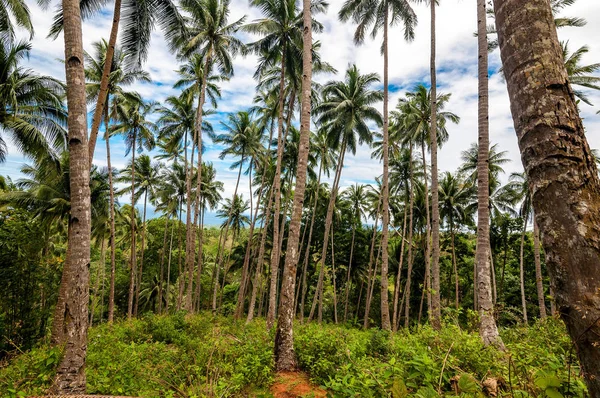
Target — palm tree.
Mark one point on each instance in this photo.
(580, 75)
(20, 15)
(119, 76)
(139, 20)
(281, 31)
(487, 329)
(233, 211)
(32, 110)
(138, 132)
(367, 13)
(209, 41)
(346, 109)
(455, 198)
(497, 159)
(356, 197)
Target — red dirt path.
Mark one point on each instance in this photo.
(294, 385)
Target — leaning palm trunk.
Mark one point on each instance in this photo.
(285, 358)
(348, 281)
(487, 328)
(277, 196)
(70, 378)
(111, 204)
(104, 81)
(560, 167)
(138, 285)
(436, 312)
(190, 231)
(133, 260)
(370, 271)
(335, 315)
(454, 265)
(538, 270)
(161, 277)
(397, 289)
(385, 308)
(371, 289)
(410, 242)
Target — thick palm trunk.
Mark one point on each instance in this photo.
(436, 312)
(138, 284)
(318, 298)
(133, 259)
(385, 308)
(395, 311)
(522, 270)
(285, 358)
(538, 270)
(560, 167)
(410, 242)
(487, 327)
(348, 280)
(277, 196)
(111, 205)
(70, 378)
(427, 283)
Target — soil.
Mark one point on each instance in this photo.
(294, 385)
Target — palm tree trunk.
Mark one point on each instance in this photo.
(200, 259)
(538, 270)
(95, 299)
(522, 271)
(180, 273)
(454, 266)
(277, 195)
(328, 220)
(436, 312)
(138, 285)
(493, 271)
(385, 308)
(111, 204)
(103, 92)
(162, 263)
(285, 358)
(133, 260)
(348, 282)
(410, 241)
(370, 289)
(335, 315)
(169, 262)
(487, 328)
(370, 271)
(395, 312)
(70, 377)
(190, 230)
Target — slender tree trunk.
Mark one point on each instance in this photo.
(436, 312)
(169, 263)
(454, 266)
(138, 285)
(399, 275)
(385, 308)
(111, 206)
(277, 195)
(427, 283)
(200, 255)
(370, 290)
(102, 101)
(190, 229)
(162, 263)
(538, 270)
(335, 315)
(370, 272)
(522, 271)
(487, 328)
(180, 273)
(348, 280)
(410, 241)
(70, 378)
(133, 260)
(285, 358)
(493, 271)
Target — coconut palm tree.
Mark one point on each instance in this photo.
(346, 109)
(138, 133)
(580, 75)
(380, 15)
(32, 114)
(119, 76)
(17, 11)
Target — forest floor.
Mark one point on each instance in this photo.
(205, 355)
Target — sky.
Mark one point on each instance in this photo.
(408, 66)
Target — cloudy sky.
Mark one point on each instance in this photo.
(409, 65)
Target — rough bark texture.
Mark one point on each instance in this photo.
(436, 312)
(285, 358)
(487, 328)
(538, 270)
(560, 167)
(103, 92)
(385, 307)
(70, 378)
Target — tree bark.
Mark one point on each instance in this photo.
(522, 270)
(538, 270)
(138, 285)
(161, 277)
(454, 265)
(396, 311)
(133, 260)
(70, 378)
(385, 307)
(111, 294)
(487, 328)
(436, 312)
(348, 280)
(285, 358)
(427, 284)
(410, 241)
(190, 230)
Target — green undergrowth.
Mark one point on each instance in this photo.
(203, 355)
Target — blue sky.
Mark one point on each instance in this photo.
(409, 65)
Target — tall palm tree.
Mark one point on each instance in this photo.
(209, 42)
(487, 329)
(138, 132)
(379, 15)
(17, 11)
(233, 212)
(119, 76)
(32, 110)
(281, 38)
(346, 110)
(580, 75)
